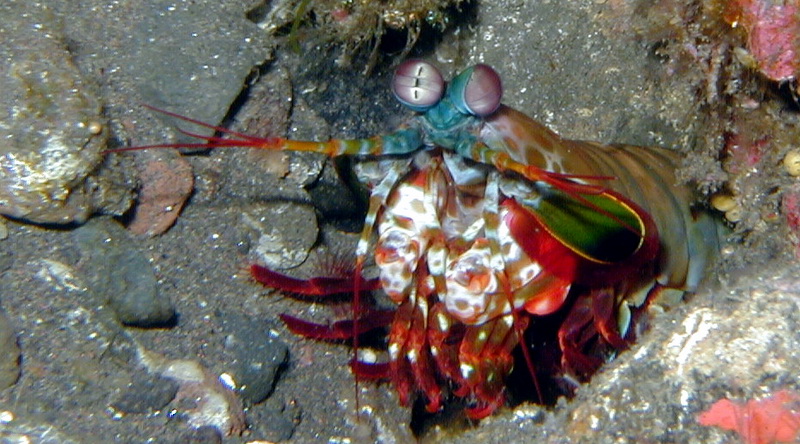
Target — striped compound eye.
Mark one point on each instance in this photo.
(417, 84)
(477, 91)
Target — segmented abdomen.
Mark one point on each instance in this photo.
(689, 235)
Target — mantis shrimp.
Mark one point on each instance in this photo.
(486, 227)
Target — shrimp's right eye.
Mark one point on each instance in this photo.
(418, 85)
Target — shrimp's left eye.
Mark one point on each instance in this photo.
(417, 84)
(477, 91)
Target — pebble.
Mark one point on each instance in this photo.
(723, 202)
(274, 421)
(166, 183)
(791, 162)
(146, 393)
(257, 357)
(121, 275)
(280, 242)
(202, 399)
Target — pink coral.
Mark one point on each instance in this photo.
(770, 420)
(774, 29)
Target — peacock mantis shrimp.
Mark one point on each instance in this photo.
(494, 236)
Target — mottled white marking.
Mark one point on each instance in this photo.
(469, 281)
(394, 351)
(437, 260)
(443, 321)
(466, 371)
(495, 134)
(396, 254)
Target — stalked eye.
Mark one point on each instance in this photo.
(477, 91)
(417, 84)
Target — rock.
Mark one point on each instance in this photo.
(146, 393)
(273, 421)
(52, 130)
(212, 44)
(283, 232)
(256, 357)
(266, 175)
(15, 430)
(166, 183)
(742, 341)
(9, 353)
(121, 276)
(203, 399)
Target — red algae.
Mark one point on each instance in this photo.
(774, 419)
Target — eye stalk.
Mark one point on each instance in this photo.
(418, 84)
(477, 90)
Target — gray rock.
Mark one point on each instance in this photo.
(274, 421)
(283, 232)
(146, 393)
(265, 175)
(9, 353)
(739, 342)
(121, 276)
(257, 357)
(51, 127)
(191, 58)
(39, 432)
(213, 45)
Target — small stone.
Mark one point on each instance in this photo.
(121, 276)
(723, 202)
(280, 241)
(203, 435)
(146, 393)
(203, 399)
(257, 357)
(274, 421)
(166, 183)
(792, 162)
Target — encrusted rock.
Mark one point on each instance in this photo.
(51, 127)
